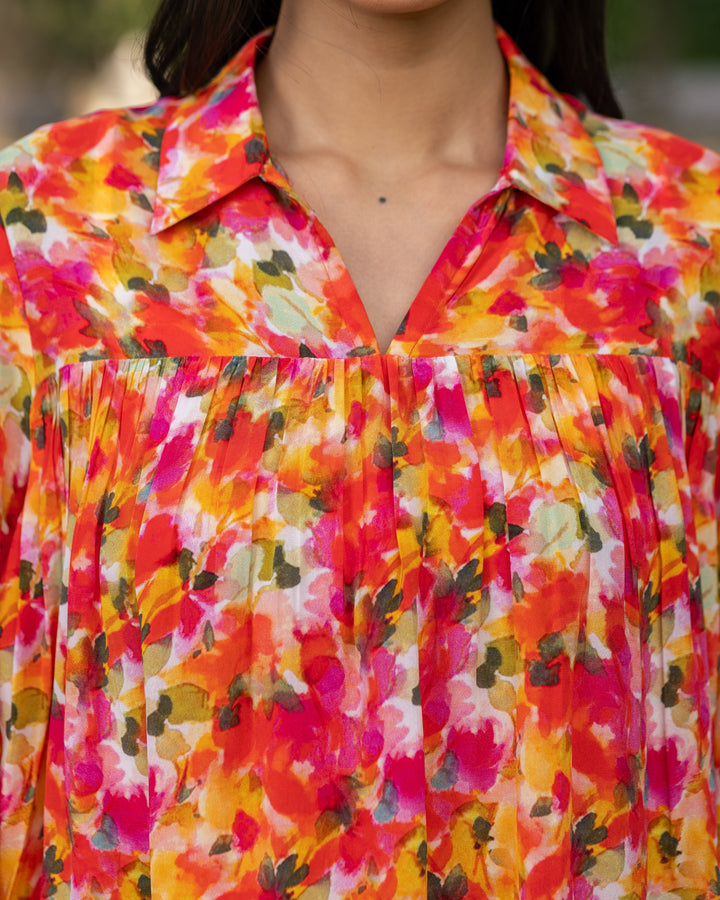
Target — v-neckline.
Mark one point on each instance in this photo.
(438, 287)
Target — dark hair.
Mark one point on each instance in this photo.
(190, 40)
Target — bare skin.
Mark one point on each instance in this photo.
(389, 117)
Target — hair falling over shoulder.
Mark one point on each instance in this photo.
(190, 40)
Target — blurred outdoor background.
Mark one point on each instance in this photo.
(64, 57)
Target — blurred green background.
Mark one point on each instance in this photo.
(56, 60)
(664, 30)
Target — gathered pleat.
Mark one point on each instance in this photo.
(400, 627)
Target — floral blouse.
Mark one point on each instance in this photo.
(284, 616)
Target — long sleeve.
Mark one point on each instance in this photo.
(703, 429)
(15, 393)
(20, 811)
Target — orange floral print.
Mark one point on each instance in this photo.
(286, 617)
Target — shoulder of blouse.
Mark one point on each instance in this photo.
(665, 191)
(110, 148)
(654, 172)
(66, 176)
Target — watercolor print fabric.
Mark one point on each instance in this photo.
(287, 617)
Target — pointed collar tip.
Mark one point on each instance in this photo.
(603, 225)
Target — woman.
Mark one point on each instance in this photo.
(300, 603)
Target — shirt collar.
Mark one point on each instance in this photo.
(216, 142)
(549, 154)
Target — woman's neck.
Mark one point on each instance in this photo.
(386, 91)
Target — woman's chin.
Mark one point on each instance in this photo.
(394, 7)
